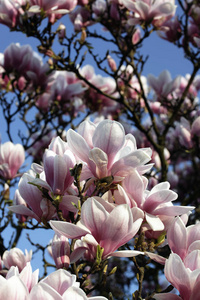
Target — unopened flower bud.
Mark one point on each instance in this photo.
(61, 251)
(136, 36)
(111, 63)
(61, 32)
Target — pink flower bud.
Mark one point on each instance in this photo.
(111, 63)
(136, 36)
(60, 251)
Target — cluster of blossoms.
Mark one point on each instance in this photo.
(117, 206)
(118, 203)
(160, 14)
(19, 282)
(102, 189)
(182, 267)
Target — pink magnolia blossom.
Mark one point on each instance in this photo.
(13, 288)
(106, 151)
(187, 282)
(156, 12)
(99, 8)
(60, 285)
(133, 90)
(10, 12)
(54, 9)
(183, 133)
(80, 18)
(156, 204)
(170, 30)
(18, 284)
(11, 158)
(107, 85)
(67, 90)
(56, 172)
(38, 207)
(163, 85)
(109, 229)
(29, 278)
(16, 58)
(194, 13)
(183, 240)
(27, 63)
(15, 257)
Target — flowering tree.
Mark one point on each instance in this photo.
(115, 161)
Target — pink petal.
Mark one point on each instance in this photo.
(78, 145)
(109, 136)
(69, 230)
(177, 237)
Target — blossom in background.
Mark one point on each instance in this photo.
(53, 9)
(163, 86)
(10, 12)
(98, 102)
(27, 64)
(155, 12)
(11, 158)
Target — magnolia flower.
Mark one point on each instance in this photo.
(56, 172)
(156, 12)
(27, 63)
(38, 208)
(106, 151)
(11, 158)
(60, 285)
(10, 12)
(183, 133)
(54, 9)
(163, 85)
(156, 204)
(15, 257)
(13, 288)
(29, 278)
(101, 225)
(183, 240)
(187, 282)
(67, 90)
